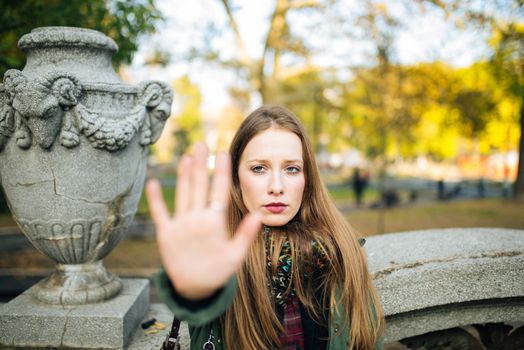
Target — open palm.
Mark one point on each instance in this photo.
(196, 250)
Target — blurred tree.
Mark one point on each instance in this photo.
(261, 76)
(383, 104)
(227, 124)
(304, 91)
(472, 97)
(475, 108)
(263, 73)
(158, 57)
(505, 18)
(508, 67)
(437, 109)
(125, 21)
(418, 105)
(188, 117)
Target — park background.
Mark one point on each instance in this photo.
(424, 97)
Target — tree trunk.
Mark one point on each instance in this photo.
(519, 183)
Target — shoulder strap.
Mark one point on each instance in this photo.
(172, 341)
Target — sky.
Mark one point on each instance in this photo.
(423, 39)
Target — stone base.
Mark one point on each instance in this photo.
(27, 322)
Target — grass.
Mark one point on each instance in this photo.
(346, 194)
(169, 197)
(464, 213)
(6, 220)
(129, 254)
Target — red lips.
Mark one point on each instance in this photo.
(276, 207)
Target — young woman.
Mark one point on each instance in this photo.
(271, 263)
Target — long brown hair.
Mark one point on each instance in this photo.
(251, 322)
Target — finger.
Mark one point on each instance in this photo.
(199, 179)
(221, 180)
(246, 233)
(155, 200)
(183, 185)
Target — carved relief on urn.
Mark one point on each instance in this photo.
(73, 146)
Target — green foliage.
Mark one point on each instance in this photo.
(474, 94)
(125, 21)
(189, 119)
(475, 107)
(508, 67)
(387, 109)
(303, 93)
(504, 20)
(427, 108)
(507, 61)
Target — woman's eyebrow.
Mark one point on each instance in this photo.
(287, 161)
(257, 161)
(294, 161)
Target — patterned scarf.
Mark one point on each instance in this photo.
(283, 291)
(281, 285)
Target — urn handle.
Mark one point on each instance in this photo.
(157, 96)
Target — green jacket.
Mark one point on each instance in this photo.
(201, 321)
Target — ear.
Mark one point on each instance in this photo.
(65, 87)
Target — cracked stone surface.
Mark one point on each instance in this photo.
(443, 278)
(26, 322)
(68, 184)
(150, 339)
(73, 205)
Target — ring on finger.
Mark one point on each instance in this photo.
(216, 206)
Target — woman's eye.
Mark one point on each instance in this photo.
(257, 169)
(293, 170)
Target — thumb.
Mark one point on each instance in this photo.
(246, 233)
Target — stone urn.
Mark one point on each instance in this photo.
(73, 151)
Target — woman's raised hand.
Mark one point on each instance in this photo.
(196, 250)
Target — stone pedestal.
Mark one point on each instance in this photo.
(27, 322)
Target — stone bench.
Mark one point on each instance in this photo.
(440, 279)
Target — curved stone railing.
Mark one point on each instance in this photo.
(436, 280)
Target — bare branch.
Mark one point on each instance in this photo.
(303, 4)
(276, 25)
(246, 59)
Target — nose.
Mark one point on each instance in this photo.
(276, 186)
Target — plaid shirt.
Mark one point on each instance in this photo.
(293, 339)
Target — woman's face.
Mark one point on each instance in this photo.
(271, 174)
